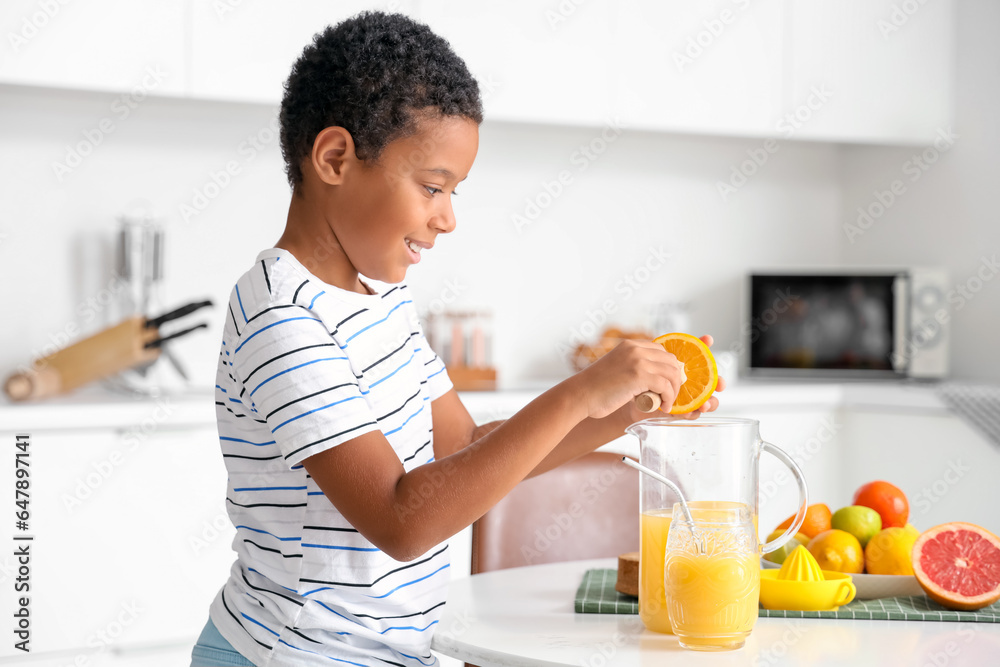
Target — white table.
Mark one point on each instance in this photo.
(524, 617)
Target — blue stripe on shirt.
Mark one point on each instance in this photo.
(323, 407)
(400, 427)
(330, 546)
(409, 583)
(274, 324)
(283, 539)
(380, 381)
(289, 370)
(255, 444)
(270, 488)
(240, 299)
(316, 297)
(362, 330)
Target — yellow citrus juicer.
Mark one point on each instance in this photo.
(800, 585)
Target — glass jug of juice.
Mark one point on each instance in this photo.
(710, 459)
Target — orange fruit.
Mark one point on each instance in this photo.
(889, 551)
(837, 551)
(818, 519)
(699, 366)
(887, 500)
(958, 565)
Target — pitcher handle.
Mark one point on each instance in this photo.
(800, 479)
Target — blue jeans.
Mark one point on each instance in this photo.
(212, 650)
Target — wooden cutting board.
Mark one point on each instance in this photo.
(628, 574)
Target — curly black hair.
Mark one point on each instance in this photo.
(370, 74)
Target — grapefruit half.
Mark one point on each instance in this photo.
(958, 565)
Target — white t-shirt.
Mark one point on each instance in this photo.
(305, 366)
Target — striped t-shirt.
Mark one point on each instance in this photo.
(305, 366)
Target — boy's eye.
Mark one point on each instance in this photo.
(431, 189)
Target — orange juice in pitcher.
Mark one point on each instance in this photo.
(653, 609)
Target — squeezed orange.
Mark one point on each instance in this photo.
(653, 608)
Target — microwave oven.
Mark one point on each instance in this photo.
(847, 322)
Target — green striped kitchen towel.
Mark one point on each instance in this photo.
(597, 595)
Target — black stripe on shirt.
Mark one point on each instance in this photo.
(339, 530)
(365, 370)
(285, 354)
(268, 590)
(302, 398)
(386, 618)
(416, 452)
(266, 504)
(235, 326)
(311, 639)
(267, 280)
(283, 555)
(296, 295)
(350, 316)
(268, 310)
(329, 437)
(398, 569)
(252, 458)
(240, 623)
(237, 415)
(389, 414)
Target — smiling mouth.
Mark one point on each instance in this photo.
(413, 246)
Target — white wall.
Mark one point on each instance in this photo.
(645, 191)
(947, 215)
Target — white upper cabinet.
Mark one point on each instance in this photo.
(243, 51)
(886, 67)
(710, 67)
(536, 62)
(867, 71)
(134, 46)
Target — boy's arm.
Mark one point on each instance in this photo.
(455, 429)
(407, 513)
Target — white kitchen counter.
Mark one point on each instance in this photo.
(96, 407)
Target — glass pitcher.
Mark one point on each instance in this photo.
(711, 459)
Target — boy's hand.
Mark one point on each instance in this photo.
(614, 380)
(631, 414)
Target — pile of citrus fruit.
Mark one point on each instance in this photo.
(957, 564)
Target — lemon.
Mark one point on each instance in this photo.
(781, 553)
(861, 522)
(837, 550)
(889, 551)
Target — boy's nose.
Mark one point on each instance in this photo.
(443, 219)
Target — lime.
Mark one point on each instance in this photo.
(861, 522)
(779, 555)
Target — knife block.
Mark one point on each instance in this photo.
(105, 353)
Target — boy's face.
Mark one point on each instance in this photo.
(385, 214)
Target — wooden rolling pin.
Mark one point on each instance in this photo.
(132, 342)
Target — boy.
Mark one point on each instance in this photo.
(351, 458)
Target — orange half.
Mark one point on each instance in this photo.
(699, 366)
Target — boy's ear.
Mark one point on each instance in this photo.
(332, 150)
